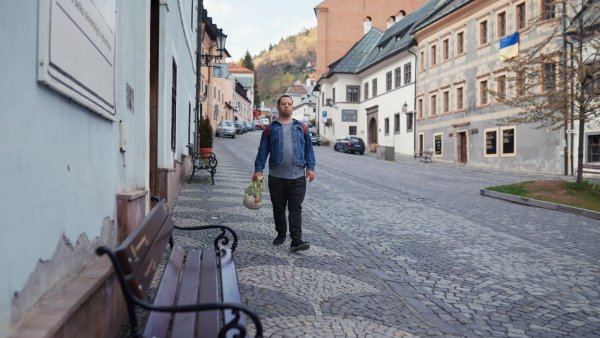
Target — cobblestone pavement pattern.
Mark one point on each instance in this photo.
(403, 248)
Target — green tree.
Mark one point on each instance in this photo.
(556, 83)
(247, 61)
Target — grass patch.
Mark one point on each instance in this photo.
(584, 196)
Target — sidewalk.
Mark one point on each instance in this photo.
(328, 291)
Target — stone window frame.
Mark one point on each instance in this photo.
(441, 135)
(459, 85)
(461, 31)
(501, 146)
(483, 37)
(433, 104)
(485, 131)
(481, 79)
(518, 6)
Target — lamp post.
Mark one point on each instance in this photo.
(206, 58)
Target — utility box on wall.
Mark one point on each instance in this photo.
(386, 153)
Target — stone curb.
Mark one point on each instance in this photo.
(542, 204)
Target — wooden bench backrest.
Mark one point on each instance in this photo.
(142, 250)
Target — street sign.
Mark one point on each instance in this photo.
(324, 113)
(570, 131)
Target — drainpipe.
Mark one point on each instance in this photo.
(570, 145)
(415, 105)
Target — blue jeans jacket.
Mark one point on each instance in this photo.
(272, 146)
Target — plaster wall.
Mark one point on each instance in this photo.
(536, 150)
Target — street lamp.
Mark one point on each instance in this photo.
(206, 58)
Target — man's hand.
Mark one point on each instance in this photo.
(256, 174)
(311, 175)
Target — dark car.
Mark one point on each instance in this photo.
(316, 139)
(350, 144)
(250, 126)
(239, 128)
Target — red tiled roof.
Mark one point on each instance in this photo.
(235, 68)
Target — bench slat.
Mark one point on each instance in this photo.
(141, 278)
(135, 246)
(208, 321)
(184, 322)
(231, 286)
(158, 322)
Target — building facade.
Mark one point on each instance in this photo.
(458, 63)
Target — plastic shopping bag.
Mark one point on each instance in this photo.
(253, 194)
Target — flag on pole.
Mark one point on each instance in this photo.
(509, 46)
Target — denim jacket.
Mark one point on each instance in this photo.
(272, 146)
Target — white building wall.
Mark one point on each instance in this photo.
(62, 164)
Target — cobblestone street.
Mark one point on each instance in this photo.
(403, 248)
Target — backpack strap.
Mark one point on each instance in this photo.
(267, 129)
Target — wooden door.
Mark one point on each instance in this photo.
(463, 147)
(153, 146)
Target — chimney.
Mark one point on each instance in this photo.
(401, 14)
(367, 24)
(391, 21)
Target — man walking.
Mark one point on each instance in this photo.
(287, 143)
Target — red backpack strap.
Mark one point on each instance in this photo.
(267, 130)
(305, 128)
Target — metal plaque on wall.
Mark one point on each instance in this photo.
(349, 115)
(76, 51)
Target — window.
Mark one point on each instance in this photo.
(502, 24)
(501, 83)
(407, 73)
(388, 81)
(397, 78)
(520, 84)
(352, 130)
(521, 16)
(374, 87)
(549, 77)
(460, 98)
(491, 143)
(446, 50)
(422, 61)
(437, 142)
(420, 108)
(508, 141)
(548, 9)
(446, 102)
(352, 93)
(387, 126)
(433, 110)
(483, 32)
(409, 123)
(460, 43)
(333, 95)
(397, 123)
(483, 94)
(593, 149)
(174, 106)
(433, 55)
(366, 94)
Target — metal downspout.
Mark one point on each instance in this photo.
(414, 105)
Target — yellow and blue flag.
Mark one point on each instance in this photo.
(509, 46)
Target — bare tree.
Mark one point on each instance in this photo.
(556, 82)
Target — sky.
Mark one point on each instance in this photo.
(254, 24)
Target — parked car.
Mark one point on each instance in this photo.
(350, 144)
(316, 138)
(250, 126)
(258, 125)
(310, 126)
(239, 128)
(227, 128)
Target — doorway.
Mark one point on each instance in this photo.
(421, 144)
(462, 147)
(372, 131)
(153, 146)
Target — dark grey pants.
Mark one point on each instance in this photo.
(290, 193)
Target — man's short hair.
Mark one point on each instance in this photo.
(282, 96)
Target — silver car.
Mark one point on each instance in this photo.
(226, 128)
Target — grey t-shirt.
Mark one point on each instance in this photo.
(287, 169)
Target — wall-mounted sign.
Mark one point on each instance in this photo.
(220, 70)
(349, 115)
(438, 144)
(76, 52)
(324, 113)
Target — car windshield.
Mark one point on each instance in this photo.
(313, 134)
(226, 124)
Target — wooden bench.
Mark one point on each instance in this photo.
(203, 161)
(198, 294)
(424, 156)
(591, 169)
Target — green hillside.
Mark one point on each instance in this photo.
(280, 66)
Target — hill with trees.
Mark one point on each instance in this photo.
(277, 68)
